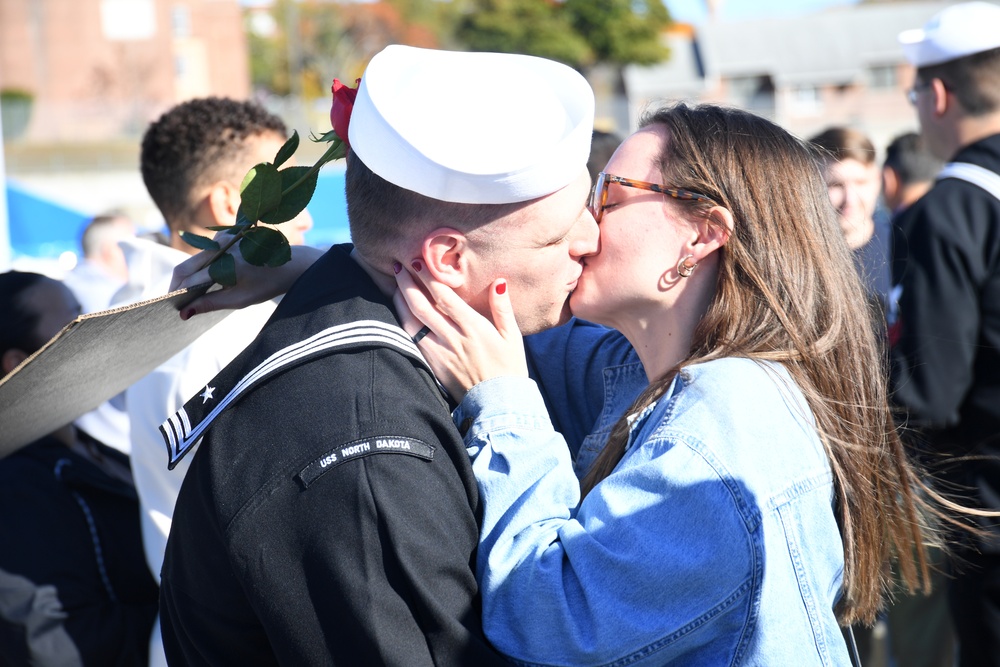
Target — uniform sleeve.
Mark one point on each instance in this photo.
(633, 567)
(939, 313)
(378, 557)
(162, 393)
(568, 364)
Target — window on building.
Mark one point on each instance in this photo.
(754, 93)
(882, 76)
(805, 101)
(180, 21)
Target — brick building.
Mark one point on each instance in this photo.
(102, 69)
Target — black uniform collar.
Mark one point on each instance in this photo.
(985, 153)
(334, 289)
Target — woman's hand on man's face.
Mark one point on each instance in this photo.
(463, 347)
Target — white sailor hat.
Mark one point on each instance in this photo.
(955, 32)
(474, 128)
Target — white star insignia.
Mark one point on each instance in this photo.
(207, 394)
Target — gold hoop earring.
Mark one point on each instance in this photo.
(685, 268)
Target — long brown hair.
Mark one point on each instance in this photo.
(787, 291)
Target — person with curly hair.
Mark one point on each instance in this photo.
(193, 159)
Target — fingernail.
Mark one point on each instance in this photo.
(187, 313)
(396, 267)
(501, 287)
(417, 266)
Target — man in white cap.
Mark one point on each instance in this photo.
(946, 360)
(330, 515)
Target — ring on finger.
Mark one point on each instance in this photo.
(419, 336)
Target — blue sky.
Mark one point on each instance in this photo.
(693, 11)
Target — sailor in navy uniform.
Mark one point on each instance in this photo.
(946, 358)
(330, 515)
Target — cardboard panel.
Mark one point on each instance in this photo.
(93, 358)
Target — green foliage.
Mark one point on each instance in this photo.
(621, 31)
(579, 33)
(15, 95)
(317, 39)
(222, 270)
(292, 203)
(267, 195)
(263, 246)
(199, 242)
(260, 191)
(535, 27)
(287, 150)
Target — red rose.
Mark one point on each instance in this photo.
(343, 104)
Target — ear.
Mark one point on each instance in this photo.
(446, 252)
(890, 183)
(11, 359)
(223, 203)
(713, 232)
(941, 101)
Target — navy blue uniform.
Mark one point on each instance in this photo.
(330, 516)
(946, 369)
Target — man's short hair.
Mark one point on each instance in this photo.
(101, 230)
(911, 159)
(844, 143)
(602, 146)
(19, 317)
(198, 143)
(383, 215)
(973, 80)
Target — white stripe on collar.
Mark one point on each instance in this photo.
(177, 431)
(972, 173)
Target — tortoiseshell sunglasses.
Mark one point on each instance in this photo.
(599, 196)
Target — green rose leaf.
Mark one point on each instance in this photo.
(223, 270)
(260, 191)
(263, 246)
(326, 137)
(287, 150)
(199, 242)
(294, 199)
(220, 228)
(241, 222)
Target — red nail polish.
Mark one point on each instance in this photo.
(417, 266)
(396, 267)
(501, 288)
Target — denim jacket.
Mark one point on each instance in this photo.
(713, 542)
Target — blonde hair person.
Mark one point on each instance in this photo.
(750, 499)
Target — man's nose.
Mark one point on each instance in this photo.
(586, 237)
(303, 221)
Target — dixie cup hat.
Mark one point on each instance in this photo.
(955, 32)
(473, 128)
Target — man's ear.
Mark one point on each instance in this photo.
(941, 101)
(890, 184)
(11, 359)
(446, 252)
(223, 203)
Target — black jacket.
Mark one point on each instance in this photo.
(330, 514)
(946, 362)
(74, 585)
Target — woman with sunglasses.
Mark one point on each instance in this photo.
(749, 489)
